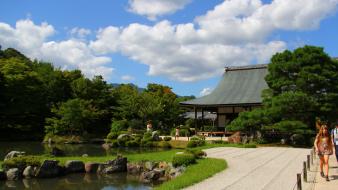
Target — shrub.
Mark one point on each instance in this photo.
(119, 125)
(132, 143)
(112, 135)
(147, 136)
(197, 153)
(218, 142)
(195, 141)
(21, 162)
(183, 159)
(249, 146)
(167, 138)
(164, 144)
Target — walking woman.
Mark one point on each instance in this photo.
(324, 148)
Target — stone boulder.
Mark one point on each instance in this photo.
(13, 154)
(134, 168)
(113, 166)
(74, 166)
(174, 172)
(29, 172)
(49, 168)
(107, 146)
(149, 176)
(155, 136)
(148, 165)
(3, 175)
(91, 167)
(235, 138)
(13, 174)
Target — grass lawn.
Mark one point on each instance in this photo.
(195, 173)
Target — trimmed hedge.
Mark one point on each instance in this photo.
(183, 159)
(167, 138)
(196, 152)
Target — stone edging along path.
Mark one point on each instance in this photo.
(256, 169)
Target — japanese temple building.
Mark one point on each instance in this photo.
(239, 90)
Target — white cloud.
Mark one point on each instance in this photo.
(235, 32)
(32, 40)
(79, 32)
(205, 91)
(154, 8)
(127, 78)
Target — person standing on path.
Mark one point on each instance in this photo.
(177, 133)
(324, 148)
(334, 137)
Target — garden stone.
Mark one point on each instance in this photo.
(49, 168)
(84, 155)
(106, 146)
(13, 174)
(2, 175)
(160, 171)
(134, 168)
(235, 138)
(149, 165)
(163, 165)
(155, 136)
(150, 176)
(113, 166)
(91, 167)
(13, 154)
(57, 152)
(74, 166)
(28, 172)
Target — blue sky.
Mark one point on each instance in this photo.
(184, 44)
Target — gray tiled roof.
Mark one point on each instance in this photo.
(239, 85)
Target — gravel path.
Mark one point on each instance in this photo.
(268, 168)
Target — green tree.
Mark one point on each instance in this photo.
(74, 116)
(302, 85)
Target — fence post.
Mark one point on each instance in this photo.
(299, 182)
(308, 162)
(304, 172)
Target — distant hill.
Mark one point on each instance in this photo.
(138, 88)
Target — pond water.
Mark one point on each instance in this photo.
(36, 148)
(75, 181)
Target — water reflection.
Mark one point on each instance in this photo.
(36, 148)
(80, 182)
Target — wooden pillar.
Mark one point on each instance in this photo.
(195, 110)
(202, 118)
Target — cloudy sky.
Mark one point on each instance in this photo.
(184, 44)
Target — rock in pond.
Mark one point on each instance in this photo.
(113, 166)
(91, 167)
(13, 154)
(13, 174)
(28, 172)
(149, 176)
(134, 168)
(74, 166)
(49, 168)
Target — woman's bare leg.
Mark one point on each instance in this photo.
(326, 162)
(321, 163)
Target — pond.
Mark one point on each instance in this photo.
(38, 148)
(75, 181)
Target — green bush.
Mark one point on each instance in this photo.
(167, 138)
(119, 125)
(112, 135)
(183, 159)
(146, 143)
(197, 153)
(249, 146)
(164, 144)
(195, 138)
(147, 136)
(21, 162)
(114, 143)
(195, 141)
(218, 142)
(132, 143)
